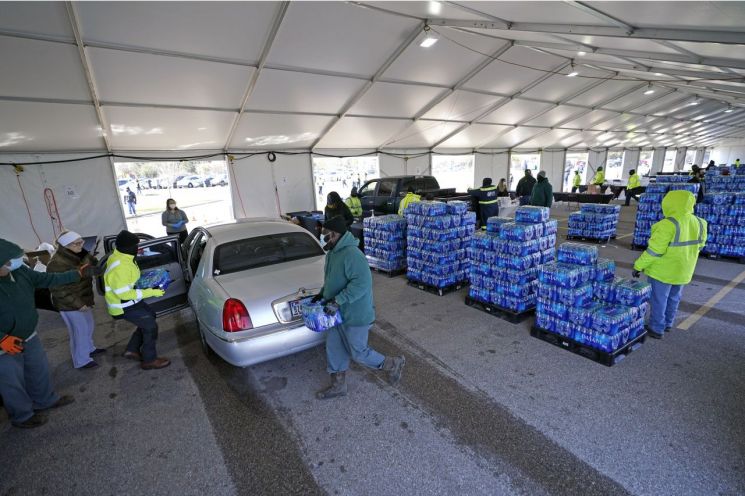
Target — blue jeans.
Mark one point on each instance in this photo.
(525, 200)
(132, 208)
(146, 335)
(25, 384)
(665, 301)
(344, 342)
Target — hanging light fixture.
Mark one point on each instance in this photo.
(581, 53)
(573, 73)
(728, 109)
(650, 89)
(429, 38)
(695, 101)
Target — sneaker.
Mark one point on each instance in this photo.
(158, 363)
(652, 334)
(37, 420)
(63, 401)
(98, 351)
(90, 365)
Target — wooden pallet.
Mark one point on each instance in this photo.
(724, 258)
(503, 313)
(590, 240)
(599, 356)
(435, 289)
(389, 273)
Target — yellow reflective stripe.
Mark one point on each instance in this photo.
(122, 290)
(653, 253)
(112, 266)
(139, 294)
(123, 305)
(487, 202)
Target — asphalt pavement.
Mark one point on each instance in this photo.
(483, 408)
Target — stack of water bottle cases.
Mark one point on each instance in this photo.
(385, 242)
(650, 205)
(580, 298)
(437, 237)
(505, 259)
(724, 211)
(594, 221)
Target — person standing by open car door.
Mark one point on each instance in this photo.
(124, 301)
(347, 288)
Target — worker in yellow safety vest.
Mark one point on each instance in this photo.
(410, 197)
(354, 203)
(633, 188)
(576, 182)
(670, 258)
(599, 177)
(124, 301)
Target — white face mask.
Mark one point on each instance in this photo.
(15, 263)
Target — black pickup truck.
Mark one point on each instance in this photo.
(383, 195)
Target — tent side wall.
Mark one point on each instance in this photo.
(85, 194)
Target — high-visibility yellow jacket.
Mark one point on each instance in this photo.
(355, 206)
(599, 178)
(119, 282)
(675, 242)
(634, 181)
(409, 198)
(577, 181)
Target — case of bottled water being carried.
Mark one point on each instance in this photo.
(437, 236)
(385, 242)
(316, 319)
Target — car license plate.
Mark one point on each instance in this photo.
(296, 308)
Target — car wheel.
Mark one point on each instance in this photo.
(191, 185)
(203, 340)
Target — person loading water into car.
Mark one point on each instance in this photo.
(124, 301)
(347, 288)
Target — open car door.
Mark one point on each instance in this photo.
(161, 253)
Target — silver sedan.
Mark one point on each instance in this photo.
(244, 281)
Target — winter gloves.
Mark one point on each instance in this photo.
(11, 344)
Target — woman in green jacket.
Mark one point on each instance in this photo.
(75, 300)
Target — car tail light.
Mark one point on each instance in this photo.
(235, 317)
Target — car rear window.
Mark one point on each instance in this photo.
(261, 251)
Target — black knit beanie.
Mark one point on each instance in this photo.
(126, 242)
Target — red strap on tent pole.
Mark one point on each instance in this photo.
(54, 216)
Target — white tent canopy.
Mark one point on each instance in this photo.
(240, 76)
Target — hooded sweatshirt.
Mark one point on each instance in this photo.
(347, 279)
(18, 315)
(675, 242)
(543, 193)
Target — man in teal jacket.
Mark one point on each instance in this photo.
(347, 288)
(25, 384)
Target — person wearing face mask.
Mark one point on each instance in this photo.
(25, 383)
(75, 301)
(175, 220)
(125, 302)
(347, 288)
(336, 207)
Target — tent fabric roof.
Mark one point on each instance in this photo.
(125, 76)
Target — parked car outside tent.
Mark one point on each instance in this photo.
(190, 182)
(244, 281)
